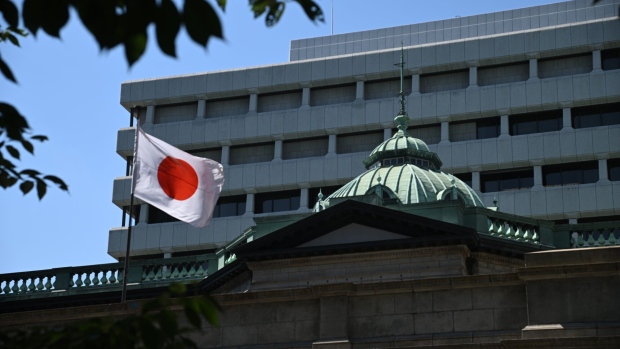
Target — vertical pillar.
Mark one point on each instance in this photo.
(150, 115)
(249, 204)
(331, 145)
(303, 200)
(504, 126)
(596, 61)
(415, 83)
(253, 103)
(387, 134)
(533, 68)
(144, 213)
(473, 76)
(305, 97)
(167, 255)
(277, 152)
(225, 155)
(359, 90)
(572, 221)
(445, 131)
(202, 109)
(602, 170)
(538, 180)
(567, 120)
(475, 181)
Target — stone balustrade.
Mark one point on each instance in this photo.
(595, 235)
(98, 277)
(513, 230)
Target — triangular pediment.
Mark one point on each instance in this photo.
(351, 234)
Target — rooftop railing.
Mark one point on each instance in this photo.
(104, 277)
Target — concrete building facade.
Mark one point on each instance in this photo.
(522, 105)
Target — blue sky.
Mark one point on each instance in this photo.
(70, 92)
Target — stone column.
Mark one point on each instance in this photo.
(415, 83)
(303, 200)
(567, 120)
(277, 153)
(475, 181)
(445, 132)
(473, 76)
(602, 171)
(534, 68)
(538, 179)
(253, 103)
(504, 126)
(150, 115)
(144, 213)
(225, 155)
(249, 205)
(387, 134)
(305, 97)
(597, 65)
(202, 109)
(359, 90)
(331, 145)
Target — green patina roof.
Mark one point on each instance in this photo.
(410, 184)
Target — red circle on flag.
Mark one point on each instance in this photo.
(177, 178)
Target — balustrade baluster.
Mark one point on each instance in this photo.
(612, 237)
(159, 275)
(175, 272)
(591, 241)
(39, 285)
(112, 278)
(87, 281)
(151, 276)
(96, 280)
(48, 284)
(167, 272)
(79, 282)
(23, 288)
(7, 288)
(192, 270)
(200, 271)
(183, 271)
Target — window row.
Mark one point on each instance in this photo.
(230, 206)
(385, 88)
(552, 175)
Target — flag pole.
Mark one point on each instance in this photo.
(133, 167)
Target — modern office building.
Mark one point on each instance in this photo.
(341, 226)
(522, 105)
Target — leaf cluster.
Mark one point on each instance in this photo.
(155, 326)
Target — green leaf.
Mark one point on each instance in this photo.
(12, 38)
(40, 138)
(13, 122)
(201, 21)
(222, 4)
(135, 45)
(177, 288)
(6, 71)
(33, 14)
(26, 187)
(28, 146)
(41, 188)
(101, 19)
(168, 322)
(31, 173)
(167, 26)
(56, 16)
(208, 310)
(61, 184)
(14, 152)
(274, 14)
(312, 10)
(192, 313)
(9, 12)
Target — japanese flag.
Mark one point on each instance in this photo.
(182, 185)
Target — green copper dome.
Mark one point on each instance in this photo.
(404, 170)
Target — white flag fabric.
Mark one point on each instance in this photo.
(182, 185)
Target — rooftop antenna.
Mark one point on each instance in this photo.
(402, 79)
(332, 17)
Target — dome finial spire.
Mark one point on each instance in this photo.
(402, 120)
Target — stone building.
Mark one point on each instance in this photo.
(489, 222)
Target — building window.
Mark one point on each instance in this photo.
(228, 206)
(313, 193)
(305, 148)
(524, 124)
(613, 169)
(277, 201)
(596, 115)
(464, 177)
(488, 128)
(573, 173)
(358, 142)
(158, 216)
(509, 180)
(610, 59)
